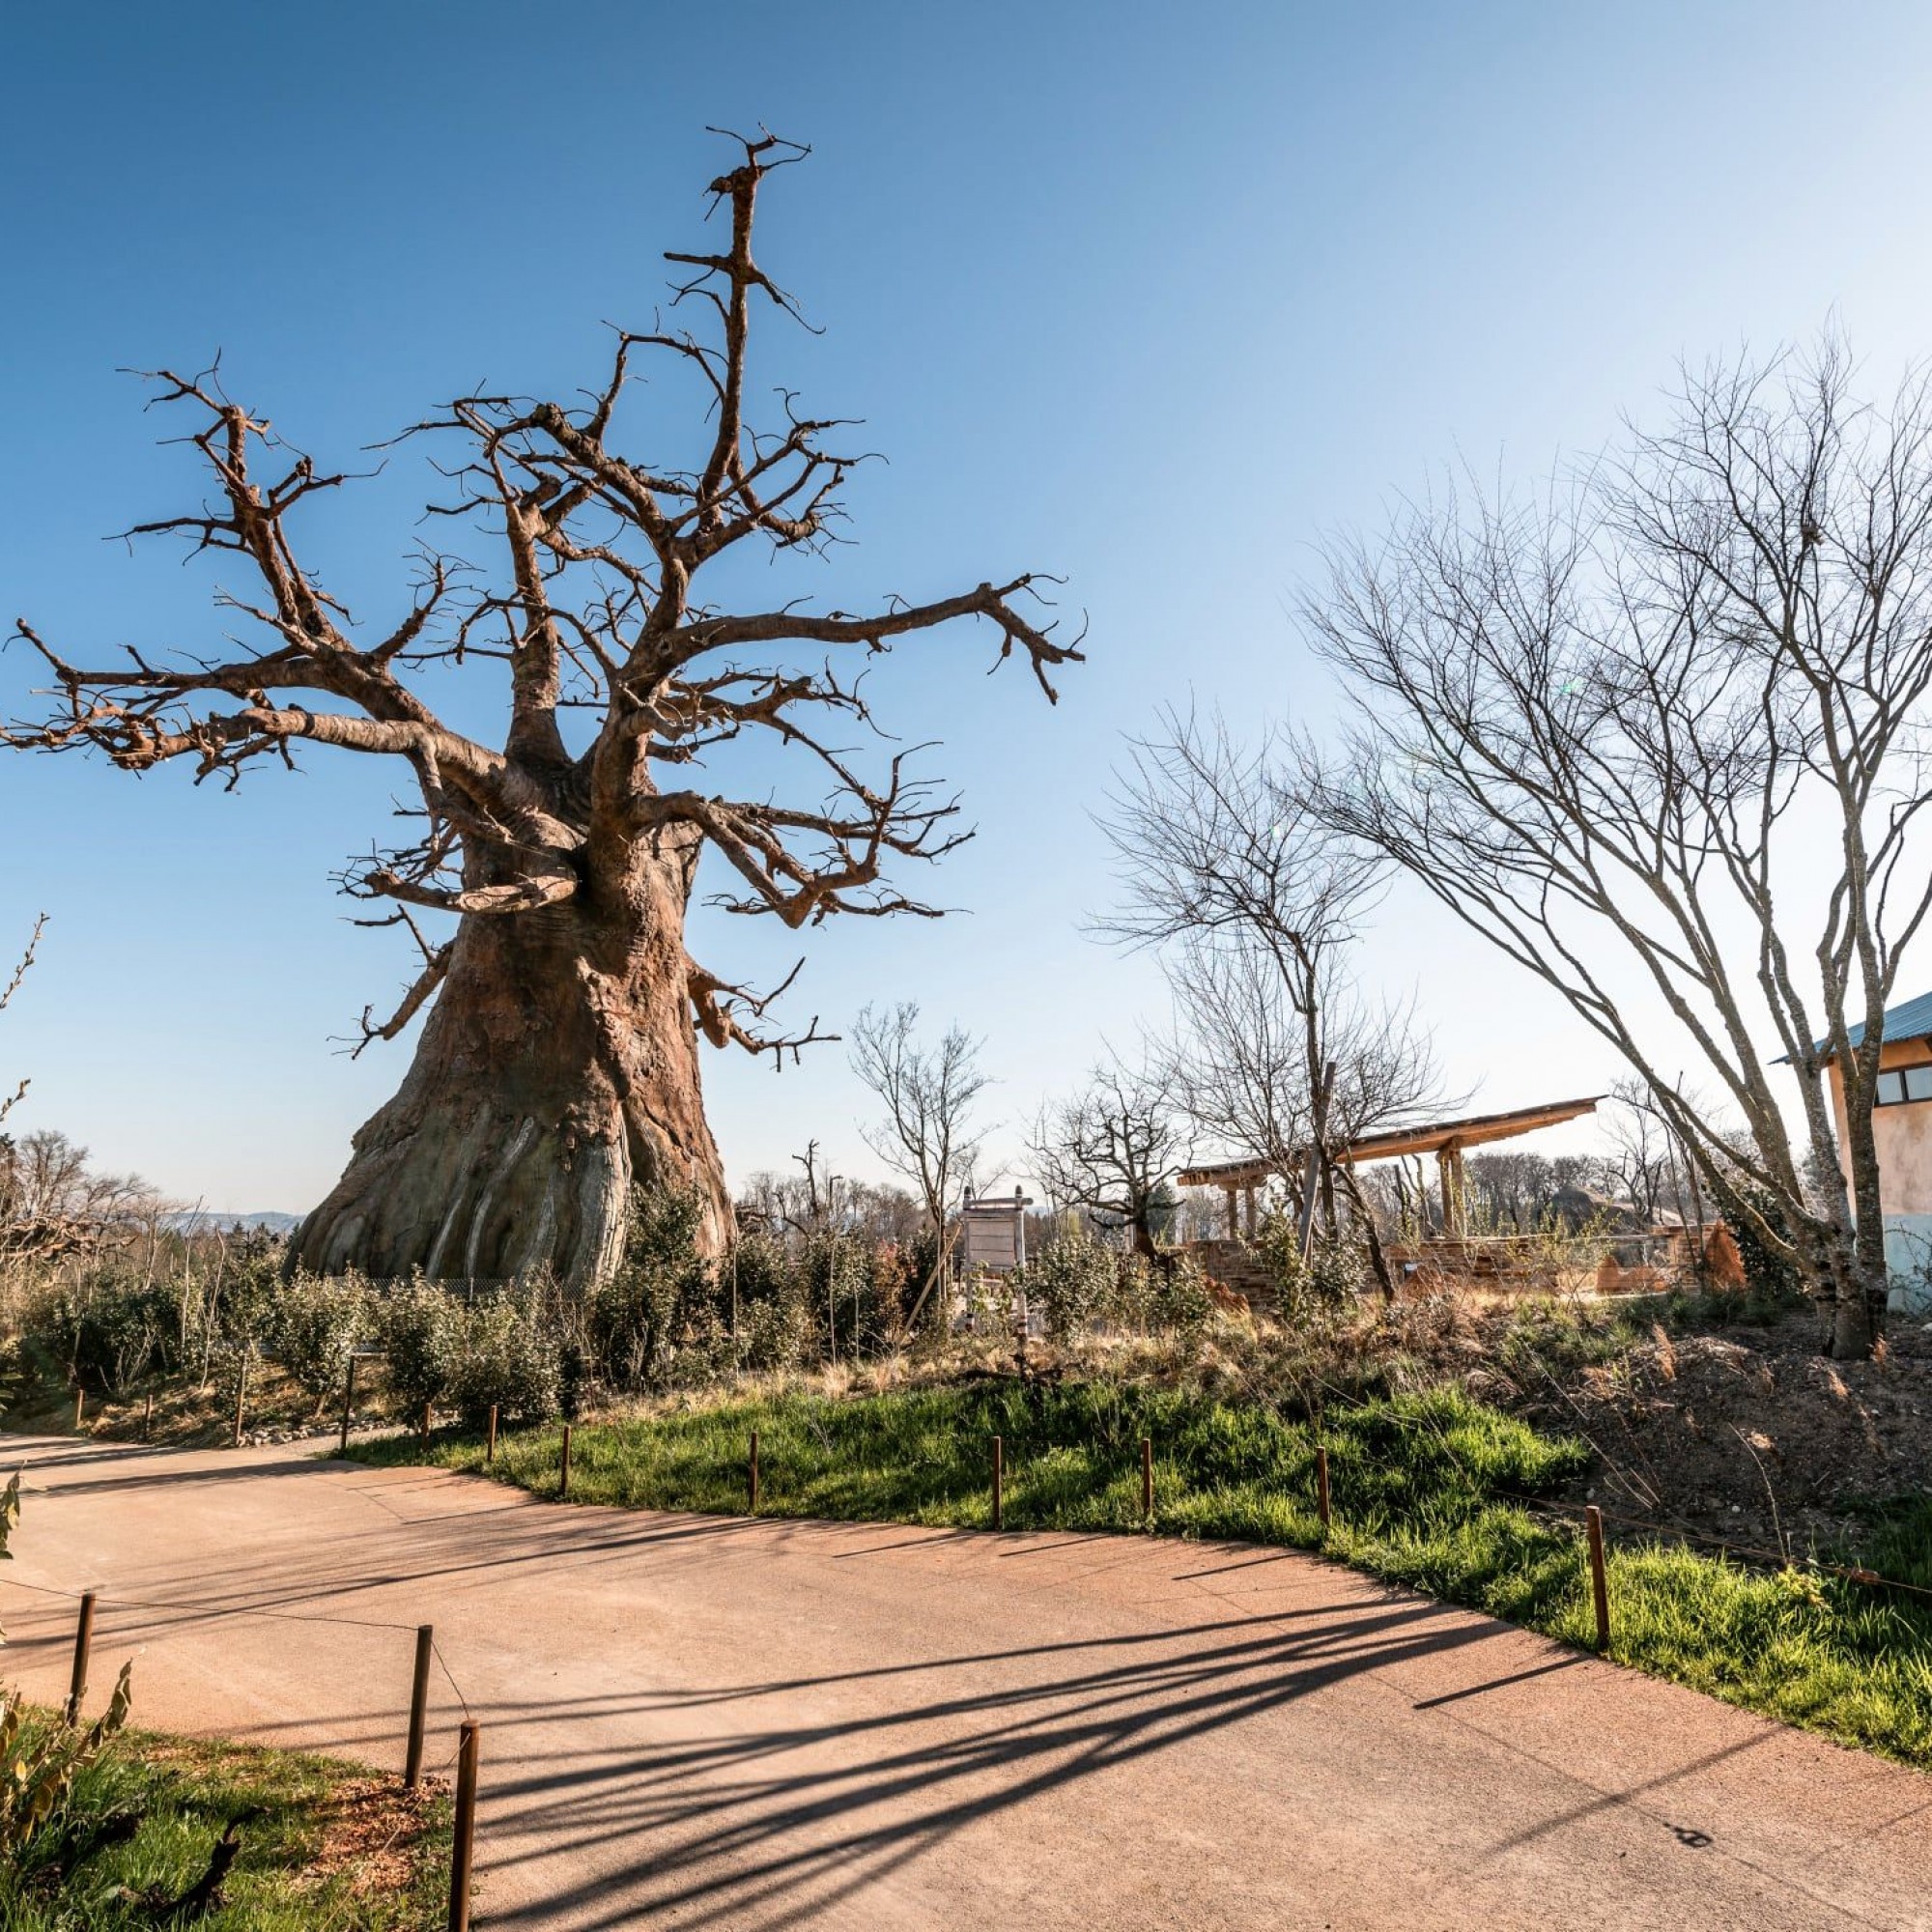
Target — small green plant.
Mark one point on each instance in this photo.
(38, 1763)
(1071, 1281)
(313, 1328)
(1179, 1303)
(508, 1354)
(635, 1320)
(1333, 1271)
(773, 1320)
(422, 1330)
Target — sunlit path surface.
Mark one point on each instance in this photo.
(701, 1720)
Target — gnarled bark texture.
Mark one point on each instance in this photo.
(558, 1071)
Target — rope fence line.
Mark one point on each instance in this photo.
(1671, 1527)
(210, 1611)
(464, 1758)
(1675, 1525)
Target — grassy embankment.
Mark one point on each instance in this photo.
(1427, 1492)
(325, 1847)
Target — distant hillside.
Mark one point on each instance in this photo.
(204, 1219)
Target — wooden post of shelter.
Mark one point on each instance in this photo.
(1455, 1195)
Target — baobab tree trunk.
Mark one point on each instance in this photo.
(558, 1071)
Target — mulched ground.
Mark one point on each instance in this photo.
(1750, 1433)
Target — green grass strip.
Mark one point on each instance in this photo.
(323, 1848)
(1428, 1490)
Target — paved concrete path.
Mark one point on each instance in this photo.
(702, 1720)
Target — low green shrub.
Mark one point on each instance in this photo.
(508, 1354)
(314, 1327)
(420, 1328)
(774, 1324)
(635, 1320)
(1071, 1280)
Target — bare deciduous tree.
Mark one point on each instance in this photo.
(558, 1064)
(9, 1101)
(1217, 847)
(929, 1094)
(1240, 1071)
(1601, 727)
(53, 1204)
(1113, 1147)
(1240, 1057)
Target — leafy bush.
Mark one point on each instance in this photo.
(1769, 1277)
(834, 1284)
(109, 1331)
(636, 1320)
(772, 1321)
(245, 1286)
(314, 1327)
(1178, 1300)
(421, 1327)
(228, 1367)
(1333, 1272)
(1072, 1281)
(508, 1356)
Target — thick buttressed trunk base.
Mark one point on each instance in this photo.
(1855, 1325)
(558, 1071)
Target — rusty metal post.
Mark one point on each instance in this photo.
(413, 1764)
(1146, 1478)
(490, 1441)
(563, 1474)
(1599, 1582)
(462, 1843)
(348, 1403)
(83, 1645)
(1321, 1487)
(754, 1472)
(999, 1481)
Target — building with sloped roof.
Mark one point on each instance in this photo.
(1902, 1133)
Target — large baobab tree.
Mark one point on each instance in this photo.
(558, 1065)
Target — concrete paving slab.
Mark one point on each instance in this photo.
(713, 1721)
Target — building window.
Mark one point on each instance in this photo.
(1903, 1084)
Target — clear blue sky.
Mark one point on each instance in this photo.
(1147, 296)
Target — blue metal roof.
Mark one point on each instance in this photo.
(1912, 1020)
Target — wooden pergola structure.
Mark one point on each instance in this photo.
(1446, 1140)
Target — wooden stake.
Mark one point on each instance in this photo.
(83, 1645)
(490, 1441)
(563, 1476)
(999, 1481)
(348, 1404)
(1321, 1487)
(754, 1472)
(463, 1844)
(79, 1406)
(425, 1424)
(1146, 1478)
(1599, 1582)
(240, 1399)
(148, 1421)
(413, 1764)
